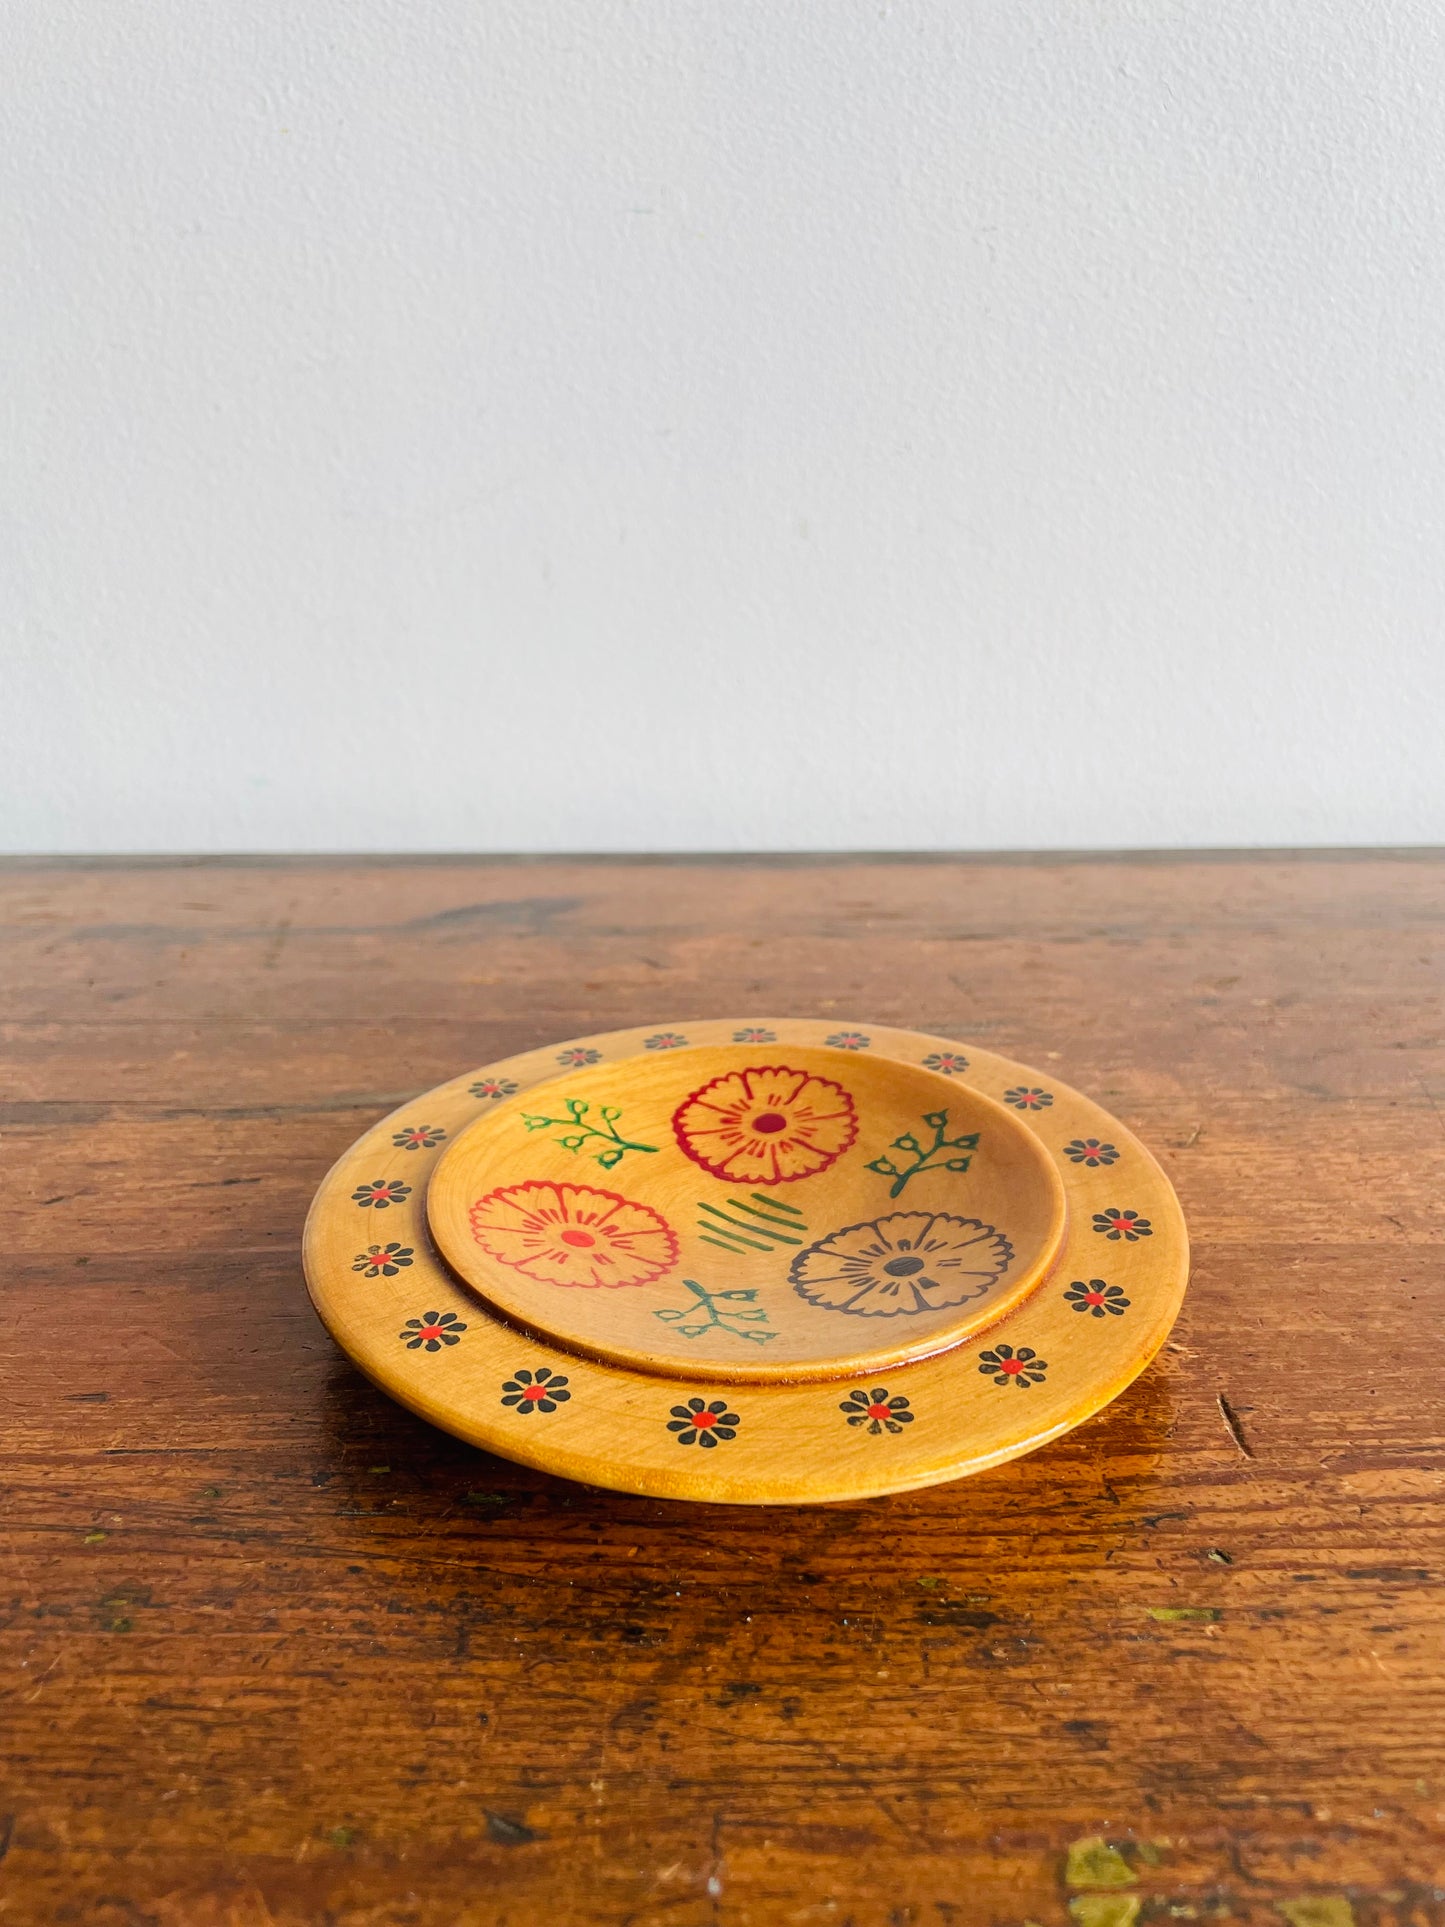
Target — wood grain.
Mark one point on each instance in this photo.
(277, 1654)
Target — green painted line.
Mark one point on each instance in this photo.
(781, 1236)
(733, 1248)
(777, 1204)
(732, 1223)
(764, 1230)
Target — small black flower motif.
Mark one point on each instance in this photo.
(492, 1087)
(1006, 1366)
(755, 1035)
(432, 1330)
(847, 1040)
(664, 1040)
(1097, 1297)
(1028, 1097)
(383, 1261)
(576, 1055)
(1122, 1224)
(418, 1137)
(877, 1411)
(700, 1423)
(539, 1391)
(1088, 1150)
(380, 1193)
(952, 1063)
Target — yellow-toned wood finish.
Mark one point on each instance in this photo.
(1060, 1343)
(797, 1257)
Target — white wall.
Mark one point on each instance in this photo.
(583, 424)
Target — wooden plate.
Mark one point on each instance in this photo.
(771, 1261)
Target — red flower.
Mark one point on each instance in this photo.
(576, 1055)
(664, 1040)
(418, 1137)
(766, 1125)
(573, 1234)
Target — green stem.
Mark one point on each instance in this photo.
(927, 1159)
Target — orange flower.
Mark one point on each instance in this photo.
(573, 1234)
(767, 1125)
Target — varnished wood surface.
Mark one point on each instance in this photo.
(276, 1654)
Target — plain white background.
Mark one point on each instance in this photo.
(715, 424)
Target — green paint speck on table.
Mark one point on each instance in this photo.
(1105, 1910)
(1319, 1910)
(1094, 1863)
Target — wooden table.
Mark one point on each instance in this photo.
(277, 1653)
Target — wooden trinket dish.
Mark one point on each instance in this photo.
(758, 1262)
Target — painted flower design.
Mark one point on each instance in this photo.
(1097, 1298)
(877, 1411)
(847, 1040)
(909, 1262)
(573, 1234)
(766, 1125)
(754, 1035)
(418, 1137)
(952, 1063)
(431, 1331)
(493, 1087)
(701, 1422)
(1005, 1366)
(1127, 1225)
(576, 1055)
(664, 1040)
(1028, 1097)
(380, 1193)
(539, 1391)
(1088, 1150)
(383, 1261)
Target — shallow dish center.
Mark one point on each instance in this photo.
(750, 1212)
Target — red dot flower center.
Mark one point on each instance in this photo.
(534, 1392)
(702, 1420)
(1011, 1365)
(770, 1121)
(878, 1411)
(579, 1238)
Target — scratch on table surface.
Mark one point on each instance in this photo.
(1232, 1424)
(272, 955)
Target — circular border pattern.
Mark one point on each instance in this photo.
(1070, 1348)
